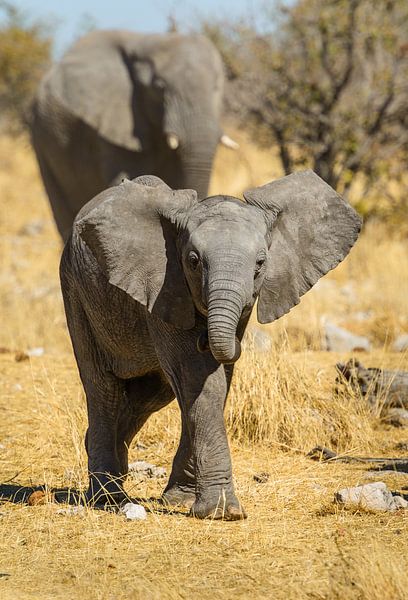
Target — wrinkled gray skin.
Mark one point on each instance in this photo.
(116, 106)
(158, 289)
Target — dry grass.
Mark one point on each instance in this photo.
(295, 544)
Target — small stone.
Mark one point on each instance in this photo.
(371, 496)
(133, 512)
(30, 353)
(398, 417)
(400, 502)
(143, 468)
(38, 351)
(17, 387)
(341, 340)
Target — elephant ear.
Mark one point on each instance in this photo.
(312, 230)
(131, 231)
(94, 83)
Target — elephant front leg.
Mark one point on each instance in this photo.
(203, 410)
(105, 478)
(181, 487)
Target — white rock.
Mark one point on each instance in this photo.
(17, 387)
(341, 340)
(146, 469)
(397, 414)
(35, 351)
(401, 343)
(371, 496)
(400, 502)
(133, 512)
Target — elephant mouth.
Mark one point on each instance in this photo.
(203, 345)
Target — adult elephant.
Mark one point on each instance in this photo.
(122, 104)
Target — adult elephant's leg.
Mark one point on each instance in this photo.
(144, 396)
(117, 163)
(62, 212)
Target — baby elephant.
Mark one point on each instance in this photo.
(158, 289)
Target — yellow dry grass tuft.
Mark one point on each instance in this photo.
(296, 543)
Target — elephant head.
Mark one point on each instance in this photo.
(179, 256)
(147, 93)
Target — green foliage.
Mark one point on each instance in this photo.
(25, 51)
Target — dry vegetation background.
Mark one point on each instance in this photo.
(295, 543)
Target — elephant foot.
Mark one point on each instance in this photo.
(226, 508)
(105, 490)
(179, 496)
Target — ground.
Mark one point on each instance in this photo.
(296, 543)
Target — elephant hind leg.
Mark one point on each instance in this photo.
(104, 395)
(143, 396)
(181, 486)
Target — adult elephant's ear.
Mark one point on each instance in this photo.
(131, 230)
(312, 229)
(93, 82)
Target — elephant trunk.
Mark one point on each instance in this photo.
(225, 305)
(196, 172)
(198, 134)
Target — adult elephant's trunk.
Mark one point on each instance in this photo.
(197, 136)
(225, 304)
(196, 172)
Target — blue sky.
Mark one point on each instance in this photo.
(69, 17)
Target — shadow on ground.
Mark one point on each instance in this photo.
(19, 494)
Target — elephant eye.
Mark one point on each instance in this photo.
(193, 260)
(259, 264)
